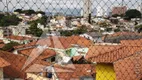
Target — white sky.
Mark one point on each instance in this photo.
(60, 4)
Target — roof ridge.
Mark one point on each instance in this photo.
(109, 51)
(129, 56)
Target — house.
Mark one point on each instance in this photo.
(93, 36)
(2, 44)
(53, 49)
(17, 67)
(5, 32)
(18, 39)
(118, 36)
(66, 72)
(119, 10)
(117, 62)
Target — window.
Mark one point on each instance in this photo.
(53, 59)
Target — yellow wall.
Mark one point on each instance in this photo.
(105, 72)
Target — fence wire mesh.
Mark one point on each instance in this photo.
(70, 40)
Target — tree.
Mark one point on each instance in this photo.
(9, 20)
(29, 12)
(18, 10)
(132, 13)
(1, 15)
(115, 15)
(41, 12)
(9, 46)
(42, 21)
(34, 30)
(139, 28)
(78, 31)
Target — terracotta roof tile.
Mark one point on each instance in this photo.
(110, 54)
(17, 62)
(74, 71)
(131, 65)
(137, 42)
(34, 51)
(3, 63)
(19, 37)
(59, 42)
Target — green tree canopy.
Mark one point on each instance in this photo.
(42, 21)
(132, 13)
(29, 12)
(9, 46)
(18, 10)
(139, 28)
(9, 20)
(34, 30)
(78, 31)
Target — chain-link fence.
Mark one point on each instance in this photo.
(70, 40)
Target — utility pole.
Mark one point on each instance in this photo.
(87, 9)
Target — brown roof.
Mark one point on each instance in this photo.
(74, 71)
(3, 63)
(129, 68)
(121, 34)
(34, 52)
(110, 54)
(17, 62)
(2, 45)
(119, 10)
(19, 37)
(1, 41)
(132, 42)
(26, 45)
(77, 58)
(60, 42)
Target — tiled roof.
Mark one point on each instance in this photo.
(131, 66)
(3, 63)
(34, 51)
(2, 45)
(1, 41)
(60, 42)
(19, 37)
(124, 34)
(17, 62)
(77, 58)
(137, 42)
(26, 45)
(74, 71)
(110, 54)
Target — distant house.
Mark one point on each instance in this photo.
(55, 49)
(18, 39)
(117, 62)
(118, 36)
(66, 72)
(5, 32)
(119, 10)
(93, 36)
